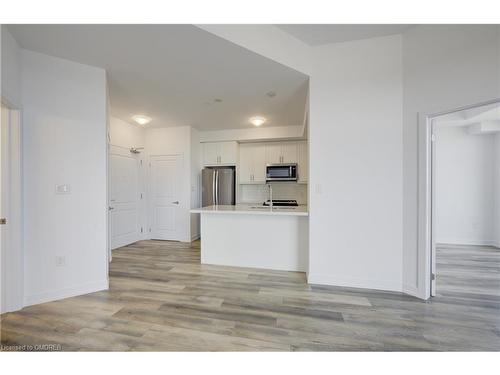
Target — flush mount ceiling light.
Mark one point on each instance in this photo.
(257, 120)
(142, 120)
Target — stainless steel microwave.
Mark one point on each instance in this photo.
(281, 172)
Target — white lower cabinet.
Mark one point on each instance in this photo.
(252, 163)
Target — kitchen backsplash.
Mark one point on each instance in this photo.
(281, 190)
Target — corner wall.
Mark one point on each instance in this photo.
(445, 67)
(355, 143)
(64, 142)
(196, 166)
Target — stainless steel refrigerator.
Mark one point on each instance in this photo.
(218, 186)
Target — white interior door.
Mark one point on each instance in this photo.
(4, 122)
(125, 197)
(11, 257)
(165, 185)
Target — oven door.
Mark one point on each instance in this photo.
(281, 172)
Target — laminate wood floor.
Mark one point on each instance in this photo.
(162, 299)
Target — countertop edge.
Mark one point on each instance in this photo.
(243, 211)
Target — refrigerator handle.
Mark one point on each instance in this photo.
(216, 187)
(213, 188)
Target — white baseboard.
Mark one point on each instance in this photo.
(412, 290)
(471, 242)
(73, 291)
(351, 282)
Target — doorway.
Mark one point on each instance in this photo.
(465, 203)
(11, 256)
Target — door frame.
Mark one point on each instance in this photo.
(12, 231)
(426, 198)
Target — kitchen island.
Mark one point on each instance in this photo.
(255, 236)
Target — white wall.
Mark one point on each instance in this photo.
(445, 67)
(196, 166)
(355, 151)
(11, 69)
(253, 134)
(123, 134)
(267, 40)
(170, 141)
(464, 187)
(64, 137)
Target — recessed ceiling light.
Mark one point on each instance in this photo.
(271, 94)
(257, 120)
(142, 120)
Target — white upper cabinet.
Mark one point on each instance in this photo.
(255, 156)
(228, 152)
(273, 153)
(252, 168)
(281, 152)
(289, 152)
(220, 153)
(210, 153)
(303, 166)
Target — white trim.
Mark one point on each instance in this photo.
(412, 291)
(354, 282)
(195, 237)
(464, 241)
(73, 291)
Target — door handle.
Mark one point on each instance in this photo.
(176, 202)
(110, 208)
(3, 221)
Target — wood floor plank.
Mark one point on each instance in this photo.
(162, 299)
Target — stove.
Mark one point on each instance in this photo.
(281, 202)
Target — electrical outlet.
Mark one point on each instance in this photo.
(63, 189)
(60, 261)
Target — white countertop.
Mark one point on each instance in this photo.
(252, 209)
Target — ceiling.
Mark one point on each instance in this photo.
(315, 35)
(466, 117)
(177, 74)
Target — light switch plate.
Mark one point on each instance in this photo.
(63, 189)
